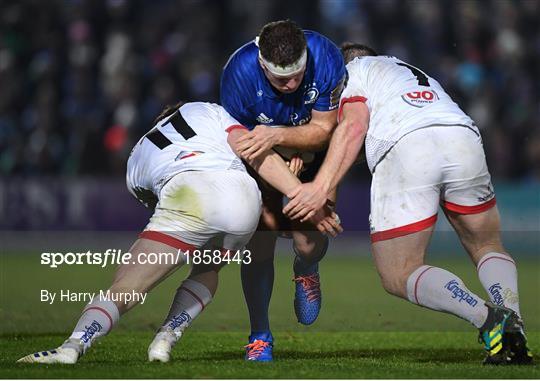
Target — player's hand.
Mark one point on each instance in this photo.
(327, 221)
(296, 165)
(304, 201)
(255, 142)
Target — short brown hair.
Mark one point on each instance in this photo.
(351, 50)
(282, 42)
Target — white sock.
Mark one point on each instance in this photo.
(498, 275)
(190, 299)
(440, 290)
(96, 320)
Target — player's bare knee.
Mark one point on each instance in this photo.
(305, 249)
(393, 285)
(310, 247)
(394, 278)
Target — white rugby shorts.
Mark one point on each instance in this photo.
(197, 206)
(426, 168)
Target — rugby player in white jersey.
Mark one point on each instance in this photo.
(203, 197)
(423, 151)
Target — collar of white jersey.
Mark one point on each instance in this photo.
(284, 71)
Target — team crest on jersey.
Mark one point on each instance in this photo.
(420, 98)
(311, 95)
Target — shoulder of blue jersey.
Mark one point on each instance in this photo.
(323, 48)
(241, 60)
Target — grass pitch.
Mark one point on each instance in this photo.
(361, 333)
(297, 355)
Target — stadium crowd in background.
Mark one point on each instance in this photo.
(83, 80)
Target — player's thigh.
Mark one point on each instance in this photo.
(467, 187)
(180, 217)
(397, 258)
(271, 224)
(405, 189)
(467, 196)
(235, 207)
(479, 232)
(144, 271)
(262, 245)
(272, 218)
(197, 206)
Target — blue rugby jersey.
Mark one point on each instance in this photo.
(250, 98)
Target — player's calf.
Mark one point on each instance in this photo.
(496, 269)
(498, 274)
(190, 299)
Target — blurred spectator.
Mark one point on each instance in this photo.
(82, 80)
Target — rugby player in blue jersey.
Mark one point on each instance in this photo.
(284, 87)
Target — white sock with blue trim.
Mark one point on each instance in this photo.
(190, 299)
(97, 320)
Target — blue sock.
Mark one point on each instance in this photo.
(302, 266)
(257, 283)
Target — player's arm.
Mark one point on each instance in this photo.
(312, 136)
(345, 145)
(271, 167)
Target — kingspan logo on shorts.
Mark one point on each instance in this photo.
(180, 319)
(90, 331)
(459, 293)
(495, 291)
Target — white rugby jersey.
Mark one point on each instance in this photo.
(194, 138)
(400, 99)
